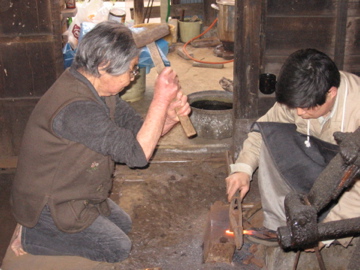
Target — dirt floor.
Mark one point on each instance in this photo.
(170, 203)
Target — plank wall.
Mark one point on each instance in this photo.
(30, 61)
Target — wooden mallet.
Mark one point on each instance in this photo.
(147, 38)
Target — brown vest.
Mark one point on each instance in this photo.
(72, 179)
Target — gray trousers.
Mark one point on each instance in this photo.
(105, 240)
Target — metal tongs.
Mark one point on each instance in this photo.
(235, 212)
(235, 215)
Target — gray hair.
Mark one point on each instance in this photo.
(108, 45)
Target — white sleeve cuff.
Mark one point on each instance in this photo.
(241, 167)
(327, 243)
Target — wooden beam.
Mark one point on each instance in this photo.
(247, 53)
(138, 11)
(210, 14)
(340, 33)
(175, 10)
(164, 5)
(248, 47)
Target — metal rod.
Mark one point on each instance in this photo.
(319, 258)
(297, 258)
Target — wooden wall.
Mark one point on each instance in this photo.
(30, 61)
(267, 31)
(332, 26)
(352, 38)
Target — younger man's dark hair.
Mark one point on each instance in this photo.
(305, 78)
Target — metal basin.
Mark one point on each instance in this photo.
(226, 22)
(212, 113)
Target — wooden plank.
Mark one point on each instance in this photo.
(340, 33)
(205, 42)
(353, 8)
(175, 10)
(181, 53)
(58, 60)
(210, 14)
(285, 35)
(205, 65)
(23, 18)
(30, 48)
(164, 8)
(183, 157)
(302, 8)
(353, 36)
(30, 62)
(139, 10)
(28, 68)
(352, 64)
(264, 14)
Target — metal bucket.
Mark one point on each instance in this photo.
(226, 19)
(212, 113)
(117, 14)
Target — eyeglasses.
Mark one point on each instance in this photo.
(135, 71)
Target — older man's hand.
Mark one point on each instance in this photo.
(166, 86)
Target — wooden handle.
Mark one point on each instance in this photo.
(159, 65)
(187, 126)
(156, 57)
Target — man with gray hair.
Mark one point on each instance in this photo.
(76, 132)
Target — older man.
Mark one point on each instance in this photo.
(75, 133)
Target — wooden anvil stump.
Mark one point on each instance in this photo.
(219, 246)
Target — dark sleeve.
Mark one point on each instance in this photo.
(88, 123)
(127, 117)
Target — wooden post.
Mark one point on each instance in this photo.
(138, 11)
(247, 52)
(163, 10)
(210, 14)
(340, 33)
(247, 61)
